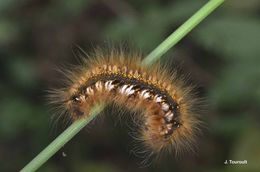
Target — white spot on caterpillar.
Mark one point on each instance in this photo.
(176, 124)
(169, 116)
(129, 90)
(158, 99)
(123, 89)
(169, 126)
(146, 95)
(142, 93)
(99, 85)
(165, 107)
(77, 99)
(90, 91)
(106, 84)
(109, 86)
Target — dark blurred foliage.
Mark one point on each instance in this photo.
(221, 55)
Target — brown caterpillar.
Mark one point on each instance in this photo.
(165, 104)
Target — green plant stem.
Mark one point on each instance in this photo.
(72, 130)
(185, 28)
(61, 140)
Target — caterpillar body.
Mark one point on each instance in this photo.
(163, 102)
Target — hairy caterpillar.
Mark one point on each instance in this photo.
(163, 102)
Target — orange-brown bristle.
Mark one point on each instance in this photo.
(168, 120)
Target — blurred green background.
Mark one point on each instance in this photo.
(221, 55)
